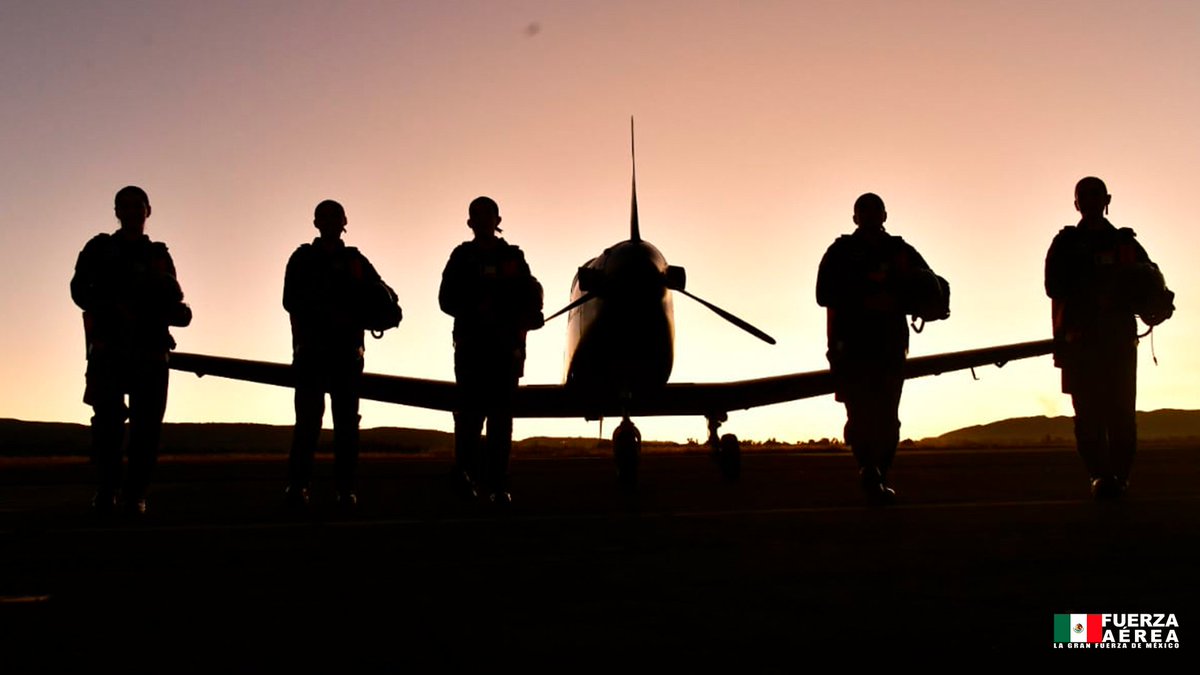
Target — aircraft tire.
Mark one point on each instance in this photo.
(729, 458)
(627, 447)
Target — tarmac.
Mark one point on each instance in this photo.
(766, 574)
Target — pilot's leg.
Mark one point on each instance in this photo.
(502, 389)
(310, 408)
(856, 395)
(344, 404)
(468, 427)
(1121, 416)
(147, 405)
(886, 430)
(1091, 438)
(870, 395)
(499, 446)
(107, 399)
(855, 437)
(468, 418)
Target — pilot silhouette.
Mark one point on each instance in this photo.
(495, 300)
(126, 286)
(324, 290)
(1098, 278)
(868, 281)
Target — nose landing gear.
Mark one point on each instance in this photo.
(726, 450)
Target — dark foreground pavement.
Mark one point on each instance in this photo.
(984, 549)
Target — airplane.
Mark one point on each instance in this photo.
(620, 351)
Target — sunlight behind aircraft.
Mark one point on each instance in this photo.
(973, 121)
(620, 352)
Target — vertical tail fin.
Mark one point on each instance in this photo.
(634, 233)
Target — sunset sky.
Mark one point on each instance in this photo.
(759, 123)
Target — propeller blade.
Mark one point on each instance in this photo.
(732, 319)
(577, 302)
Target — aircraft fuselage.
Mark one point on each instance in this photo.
(622, 342)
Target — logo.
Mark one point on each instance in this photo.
(1116, 631)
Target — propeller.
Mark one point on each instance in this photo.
(731, 318)
(574, 303)
(675, 277)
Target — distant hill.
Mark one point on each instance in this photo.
(46, 439)
(1158, 425)
(18, 438)
(60, 439)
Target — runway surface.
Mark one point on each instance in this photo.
(984, 548)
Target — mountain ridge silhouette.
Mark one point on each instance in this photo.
(20, 438)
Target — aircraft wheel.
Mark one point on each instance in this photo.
(729, 458)
(627, 447)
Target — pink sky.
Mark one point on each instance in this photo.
(758, 125)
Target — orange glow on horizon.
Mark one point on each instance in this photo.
(758, 125)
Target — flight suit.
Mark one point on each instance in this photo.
(129, 294)
(495, 300)
(1095, 334)
(861, 282)
(322, 291)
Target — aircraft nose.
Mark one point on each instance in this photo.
(634, 270)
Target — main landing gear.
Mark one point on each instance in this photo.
(726, 450)
(627, 447)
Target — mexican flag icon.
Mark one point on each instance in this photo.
(1078, 628)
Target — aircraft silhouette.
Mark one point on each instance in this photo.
(620, 350)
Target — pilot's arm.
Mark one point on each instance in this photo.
(1064, 278)
(915, 260)
(831, 281)
(295, 285)
(831, 286)
(369, 274)
(455, 295)
(168, 292)
(534, 318)
(85, 283)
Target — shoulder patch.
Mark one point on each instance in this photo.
(103, 244)
(99, 240)
(1068, 233)
(843, 242)
(301, 255)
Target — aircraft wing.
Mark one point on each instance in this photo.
(715, 398)
(545, 400)
(433, 394)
